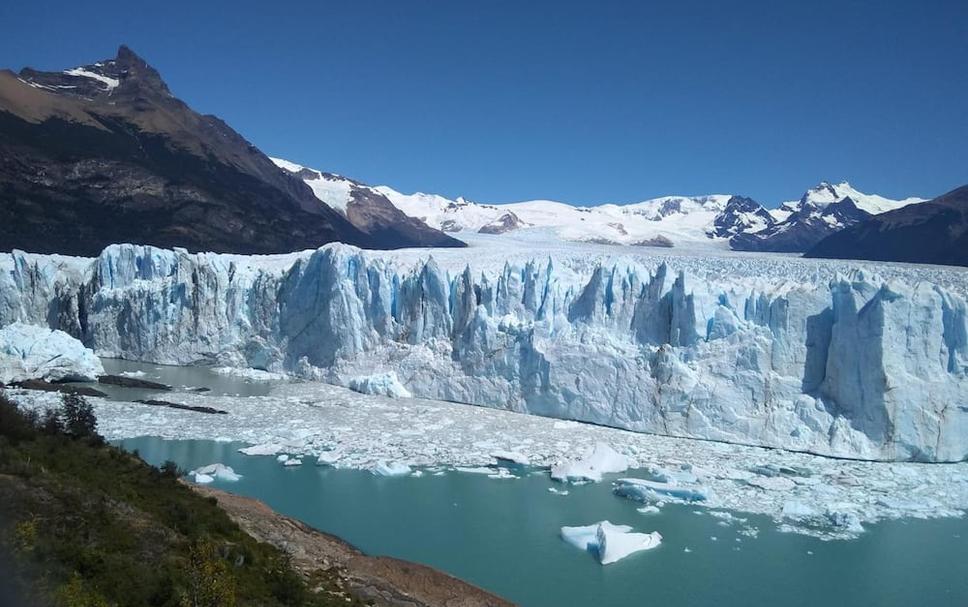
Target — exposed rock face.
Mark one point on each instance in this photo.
(855, 366)
(104, 153)
(931, 232)
(505, 223)
(803, 228)
(740, 215)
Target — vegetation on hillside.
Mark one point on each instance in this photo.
(84, 524)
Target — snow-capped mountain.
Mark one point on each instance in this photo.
(822, 210)
(933, 232)
(368, 209)
(669, 219)
(740, 215)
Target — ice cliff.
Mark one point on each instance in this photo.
(848, 364)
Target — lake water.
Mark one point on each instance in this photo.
(503, 536)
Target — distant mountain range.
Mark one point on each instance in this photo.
(931, 232)
(104, 153)
(731, 221)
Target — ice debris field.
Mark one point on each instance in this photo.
(311, 423)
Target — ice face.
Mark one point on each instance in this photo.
(810, 356)
(31, 352)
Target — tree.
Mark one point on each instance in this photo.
(51, 422)
(79, 418)
(209, 581)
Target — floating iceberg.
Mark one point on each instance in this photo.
(262, 449)
(601, 460)
(219, 472)
(31, 352)
(652, 491)
(608, 542)
(383, 384)
(383, 468)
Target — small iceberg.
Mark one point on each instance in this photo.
(649, 492)
(381, 384)
(214, 472)
(601, 460)
(610, 543)
(383, 468)
(262, 449)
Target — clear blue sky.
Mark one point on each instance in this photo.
(577, 101)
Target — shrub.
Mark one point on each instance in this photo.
(79, 418)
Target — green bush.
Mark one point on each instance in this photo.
(89, 525)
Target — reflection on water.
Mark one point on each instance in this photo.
(503, 536)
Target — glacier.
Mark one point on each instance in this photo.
(823, 357)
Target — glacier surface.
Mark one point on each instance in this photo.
(816, 356)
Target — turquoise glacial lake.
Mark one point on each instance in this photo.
(503, 535)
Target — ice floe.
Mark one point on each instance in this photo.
(219, 472)
(602, 459)
(609, 543)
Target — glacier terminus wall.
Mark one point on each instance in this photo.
(785, 353)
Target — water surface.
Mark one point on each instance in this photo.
(503, 536)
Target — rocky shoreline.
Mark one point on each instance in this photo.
(384, 581)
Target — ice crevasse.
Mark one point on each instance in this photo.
(847, 364)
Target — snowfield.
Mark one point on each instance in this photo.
(818, 356)
(330, 425)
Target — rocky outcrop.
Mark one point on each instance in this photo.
(854, 366)
(105, 153)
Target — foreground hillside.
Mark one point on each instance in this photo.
(83, 524)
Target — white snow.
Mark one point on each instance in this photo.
(32, 352)
(825, 193)
(610, 543)
(109, 83)
(334, 191)
(384, 384)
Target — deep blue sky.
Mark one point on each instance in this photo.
(577, 101)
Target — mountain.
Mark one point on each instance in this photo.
(368, 209)
(740, 215)
(823, 210)
(670, 220)
(931, 232)
(104, 153)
